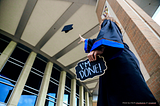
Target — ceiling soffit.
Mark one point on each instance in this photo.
(37, 24)
(44, 15)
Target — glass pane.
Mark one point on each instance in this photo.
(52, 90)
(55, 74)
(65, 104)
(77, 89)
(11, 71)
(49, 103)
(77, 102)
(3, 104)
(20, 55)
(3, 45)
(84, 94)
(66, 98)
(27, 99)
(5, 90)
(68, 82)
(31, 89)
(77, 95)
(34, 81)
(39, 65)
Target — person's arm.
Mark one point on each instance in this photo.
(87, 43)
(81, 39)
(92, 56)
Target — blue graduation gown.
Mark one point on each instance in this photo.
(123, 82)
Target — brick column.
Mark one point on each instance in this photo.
(99, 9)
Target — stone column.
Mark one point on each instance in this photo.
(73, 92)
(87, 99)
(18, 89)
(81, 102)
(44, 85)
(90, 101)
(6, 53)
(61, 89)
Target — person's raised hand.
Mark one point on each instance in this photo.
(81, 39)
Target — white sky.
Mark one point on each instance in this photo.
(156, 16)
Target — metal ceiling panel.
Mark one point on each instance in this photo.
(11, 10)
(80, 25)
(45, 14)
(75, 54)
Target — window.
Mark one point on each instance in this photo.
(10, 72)
(66, 98)
(77, 95)
(55, 75)
(84, 96)
(4, 43)
(20, 54)
(33, 84)
(51, 96)
(27, 99)
(6, 88)
(39, 64)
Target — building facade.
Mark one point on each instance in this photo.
(27, 80)
(37, 60)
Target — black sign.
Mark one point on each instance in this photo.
(86, 69)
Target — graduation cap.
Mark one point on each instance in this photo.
(67, 28)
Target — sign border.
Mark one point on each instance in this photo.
(94, 76)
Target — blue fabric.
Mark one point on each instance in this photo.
(107, 43)
(111, 44)
(86, 45)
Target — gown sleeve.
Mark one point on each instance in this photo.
(109, 36)
(88, 44)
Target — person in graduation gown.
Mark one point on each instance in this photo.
(123, 82)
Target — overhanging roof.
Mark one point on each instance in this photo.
(37, 24)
